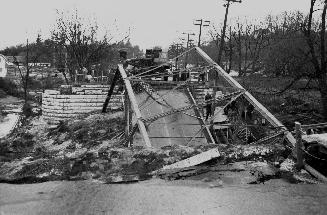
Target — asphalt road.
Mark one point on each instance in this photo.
(179, 127)
(160, 197)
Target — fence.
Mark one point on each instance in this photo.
(300, 151)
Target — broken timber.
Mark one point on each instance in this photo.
(136, 109)
(194, 160)
(114, 81)
(258, 106)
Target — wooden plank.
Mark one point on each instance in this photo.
(314, 126)
(127, 117)
(136, 109)
(263, 111)
(194, 160)
(207, 133)
(298, 146)
(315, 173)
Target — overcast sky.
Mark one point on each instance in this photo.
(152, 22)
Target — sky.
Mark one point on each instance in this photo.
(152, 22)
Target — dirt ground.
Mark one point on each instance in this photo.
(256, 188)
(162, 197)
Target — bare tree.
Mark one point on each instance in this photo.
(318, 55)
(250, 40)
(80, 41)
(25, 78)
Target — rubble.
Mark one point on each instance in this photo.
(82, 149)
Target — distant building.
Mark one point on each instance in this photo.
(11, 66)
(41, 65)
(3, 66)
(16, 60)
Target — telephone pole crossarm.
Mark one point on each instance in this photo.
(200, 23)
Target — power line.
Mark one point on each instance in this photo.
(222, 39)
(187, 46)
(200, 23)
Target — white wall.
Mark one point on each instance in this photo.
(87, 98)
(3, 69)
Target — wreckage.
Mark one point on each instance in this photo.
(162, 133)
(162, 110)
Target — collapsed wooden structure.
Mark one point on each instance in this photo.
(135, 119)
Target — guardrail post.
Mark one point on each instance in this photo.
(298, 147)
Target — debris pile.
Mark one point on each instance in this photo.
(82, 149)
(89, 148)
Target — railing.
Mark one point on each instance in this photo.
(300, 151)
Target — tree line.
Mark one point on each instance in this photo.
(291, 44)
(75, 43)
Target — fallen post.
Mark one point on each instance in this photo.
(314, 172)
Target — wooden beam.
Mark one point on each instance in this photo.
(315, 173)
(126, 111)
(136, 109)
(298, 147)
(207, 133)
(130, 120)
(314, 126)
(263, 111)
(111, 89)
(194, 160)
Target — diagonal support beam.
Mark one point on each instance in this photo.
(207, 132)
(167, 113)
(185, 108)
(175, 88)
(113, 84)
(133, 101)
(154, 95)
(258, 106)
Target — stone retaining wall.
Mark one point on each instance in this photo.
(86, 98)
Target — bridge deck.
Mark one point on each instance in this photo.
(175, 129)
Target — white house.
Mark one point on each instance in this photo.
(3, 67)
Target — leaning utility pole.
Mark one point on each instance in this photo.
(200, 23)
(222, 39)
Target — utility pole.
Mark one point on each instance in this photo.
(177, 45)
(187, 46)
(200, 23)
(222, 39)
